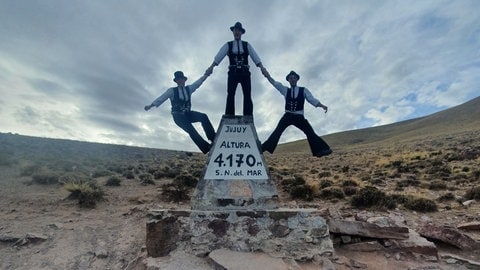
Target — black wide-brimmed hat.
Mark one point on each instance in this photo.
(292, 73)
(178, 75)
(238, 25)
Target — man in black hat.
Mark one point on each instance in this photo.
(295, 97)
(180, 97)
(238, 70)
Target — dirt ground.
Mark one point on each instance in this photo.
(41, 228)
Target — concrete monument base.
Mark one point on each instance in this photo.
(298, 234)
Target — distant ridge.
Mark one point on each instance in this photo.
(458, 119)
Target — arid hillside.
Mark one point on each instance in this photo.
(457, 120)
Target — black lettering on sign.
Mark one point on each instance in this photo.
(235, 129)
(238, 145)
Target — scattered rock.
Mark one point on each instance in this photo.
(31, 238)
(475, 225)
(448, 235)
(367, 229)
(9, 239)
(364, 246)
(231, 260)
(468, 203)
(451, 259)
(417, 244)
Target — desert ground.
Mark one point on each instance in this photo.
(77, 205)
(44, 227)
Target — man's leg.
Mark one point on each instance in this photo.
(183, 121)
(317, 145)
(247, 93)
(232, 82)
(206, 124)
(271, 143)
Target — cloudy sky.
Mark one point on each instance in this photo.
(84, 69)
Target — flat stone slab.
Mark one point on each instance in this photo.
(298, 234)
(366, 229)
(233, 260)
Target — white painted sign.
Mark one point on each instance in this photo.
(235, 155)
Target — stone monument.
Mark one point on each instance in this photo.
(235, 207)
(236, 176)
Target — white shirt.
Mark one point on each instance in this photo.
(235, 47)
(284, 90)
(182, 93)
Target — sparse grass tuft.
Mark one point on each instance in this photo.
(87, 193)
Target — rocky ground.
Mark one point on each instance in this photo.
(43, 227)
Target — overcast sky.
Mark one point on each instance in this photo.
(84, 70)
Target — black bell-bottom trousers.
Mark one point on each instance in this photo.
(234, 78)
(317, 144)
(185, 119)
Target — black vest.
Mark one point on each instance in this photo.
(180, 105)
(294, 104)
(238, 62)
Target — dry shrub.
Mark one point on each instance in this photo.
(180, 188)
(29, 170)
(304, 192)
(349, 183)
(410, 181)
(113, 181)
(326, 183)
(87, 193)
(419, 204)
(146, 179)
(446, 197)
(175, 192)
(101, 173)
(73, 177)
(324, 174)
(45, 178)
(472, 194)
(437, 185)
(372, 197)
(186, 180)
(332, 193)
(288, 183)
(350, 190)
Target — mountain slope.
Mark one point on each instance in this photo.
(459, 119)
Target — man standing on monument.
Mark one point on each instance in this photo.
(238, 70)
(295, 97)
(180, 98)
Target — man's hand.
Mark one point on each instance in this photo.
(209, 70)
(265, 72)
(324, 107)
(148, 107)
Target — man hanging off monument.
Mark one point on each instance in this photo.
(183, 116)
(295, 97)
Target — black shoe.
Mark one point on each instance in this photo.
(323, 153)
